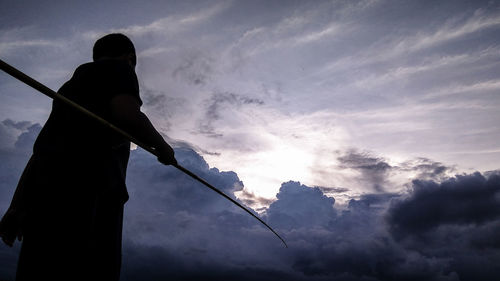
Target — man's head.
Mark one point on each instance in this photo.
(114, 46)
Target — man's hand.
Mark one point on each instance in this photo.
(165, 154)
(10, 227)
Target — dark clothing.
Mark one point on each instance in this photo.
(83, 139)
(73, 229)
(75, 183)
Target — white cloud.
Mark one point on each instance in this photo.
(6, 47)
(475, 88)
(23, 39)
(176, 23)
(449, 31)
(390, 48)
(325, 33)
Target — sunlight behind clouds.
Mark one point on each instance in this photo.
(291, 148)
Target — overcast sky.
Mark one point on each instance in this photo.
(369, 101)
(279, 90)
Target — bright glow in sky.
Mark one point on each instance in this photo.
(282, 90)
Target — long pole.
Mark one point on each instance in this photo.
(56, 96)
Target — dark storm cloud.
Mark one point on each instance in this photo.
(300, 206)
(18, 125)
(457, 220)
(16, 141)
(195, 69)
(9, 130)
(159, 100)
(333, 190)
(159, 104)
(220, 242)
(177, 229)
(216, 103)
(426, 168)
(466, 199)
(250, 199)
(373, 169)
(184, 144)
(347, 245)
(376, 171)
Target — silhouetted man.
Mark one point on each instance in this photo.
(68, 206)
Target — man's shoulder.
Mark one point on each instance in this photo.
(105, 66)
(104, 74)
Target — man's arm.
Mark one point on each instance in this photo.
(125, 110)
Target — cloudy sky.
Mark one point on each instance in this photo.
(348, 125)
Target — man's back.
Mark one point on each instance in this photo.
(92, 86)
(76, 140)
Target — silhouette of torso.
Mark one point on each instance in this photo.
(71, 134)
